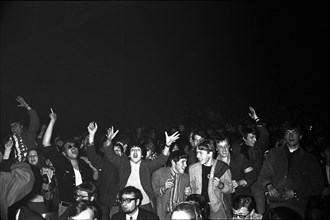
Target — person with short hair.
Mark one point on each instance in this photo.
(131, 199)
(83, 209)
(187, 210)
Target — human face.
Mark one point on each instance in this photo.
(203, 156)
(250, 140)
(292, 138)
(179, 215)
(87, 214)
(70, 150)
(16, 128)
(240, 213)
(82, 195)
(129, 203)
(180, 166)
(223, 148)
(197, 139)
(33, 157)
(117, 150)
(136, 154)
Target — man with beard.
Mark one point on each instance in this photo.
(290, 175)
(131, 199)
(70, 169)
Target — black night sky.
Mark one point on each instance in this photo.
(124, 62)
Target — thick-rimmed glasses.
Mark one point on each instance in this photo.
(128, 200)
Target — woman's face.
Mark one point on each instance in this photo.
(33, 158)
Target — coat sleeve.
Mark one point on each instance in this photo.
(95, 159)
(250, 175)
(157, 163)
(226, 180)
(156, 183)
(34, 123)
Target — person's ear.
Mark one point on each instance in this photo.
(92, 198)
(138, 202)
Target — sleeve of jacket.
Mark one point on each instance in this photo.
(157, 163)
(34, 123)
(113, 158)
(266, 173)
(250, 175)
(263, 140)
(95, 159)
(316, 180)
(228, 185)
(156, 182)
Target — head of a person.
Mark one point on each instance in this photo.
(83, 209)
(178, 161)
(292, 133)
(58, 141)
(136, 152)
(16, 126)
(118, 148)
(149, 146)
(70, 149)
(201, 203)
(130, 198)
(222, 143)
(188, 210)
(249, 135)
(205, 151)
(242, 206)
(281, 213)
(197, 137)
(33, 157)
(86, 191)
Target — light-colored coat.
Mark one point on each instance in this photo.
(218, 208)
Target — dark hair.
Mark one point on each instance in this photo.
(120, 145)
(246, 130)
(291, 125)
(198, 132)
(281, 212)
(131, 189)
(244, 201)
(80, 206)
(201, 203)
(141, 146)
(148, 144)
(88, 187)
(176, 156)
(191, 208)
(206, 145)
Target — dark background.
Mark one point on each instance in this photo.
(121, 63)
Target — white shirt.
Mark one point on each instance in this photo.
(135, 215)
(77, 175)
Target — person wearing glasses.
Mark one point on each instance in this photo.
(243, 207)
(70, 169)
(131, 199)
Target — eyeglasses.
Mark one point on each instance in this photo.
(81, 197)
(128, 200)
(240, 215)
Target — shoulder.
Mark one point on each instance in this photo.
(162, 170)
(118, 215)
(145, 214)
(193, 166)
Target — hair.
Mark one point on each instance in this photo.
(244, 201)
(207, 145)
(69, 140)
(191, 208)
(40, 162)
(148, 144)
(120, 145)
(141, 146)
(131, 189)
(176, 156)
(246, 130)
(80, 206)
(279, 213)
(198, 132)
(201, 203)
(88, 187)
(291, 125)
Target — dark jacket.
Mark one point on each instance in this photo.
(143, 214)
(304, 176)
(65, 175)
(108, 183)
(147, 167)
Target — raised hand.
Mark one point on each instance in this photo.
(111, 133)
(22, 102)
(92, 128)
(171, 139)
(52, 115)
(9, 144)
(252, 113)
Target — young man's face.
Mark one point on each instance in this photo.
(203, 156)
(33, 158)
(136, 154)
(129, 203)
(180, 166)
(292, 137)
(70, 150)
(83, 195)
(223, 148)
(250, 140)
(117, 150)
(197, 139)
(16, 128)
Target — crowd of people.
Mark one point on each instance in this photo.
(214, 169)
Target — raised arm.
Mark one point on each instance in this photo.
(94, 158)
(109, 153)
(263, 139)
(49, 131)
(34, 119)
